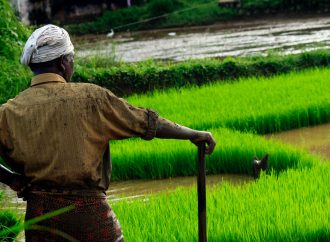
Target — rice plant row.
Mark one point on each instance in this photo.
(293, 206)
(235, 150)
(263, 105)
(259, 105)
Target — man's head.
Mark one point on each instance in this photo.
(49, 49)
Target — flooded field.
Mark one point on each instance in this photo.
(238, 39)
(137, 189)
(315, 139)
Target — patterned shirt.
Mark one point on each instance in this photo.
(55, 133)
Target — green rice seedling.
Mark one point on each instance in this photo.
(262, 105)
(169, 158)
(8, 223)
(291, 206)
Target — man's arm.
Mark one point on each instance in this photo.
(166, 129)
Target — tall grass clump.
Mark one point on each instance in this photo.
(291, 206)
(170, 158)
(8, 223)
(13, 76)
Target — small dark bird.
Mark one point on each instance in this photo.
(258, 165)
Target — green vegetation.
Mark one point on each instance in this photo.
(170, 158)
(13, 76)
(127, 79)
(175, 13)
(261, 106)
(8, 222)
(291, 206)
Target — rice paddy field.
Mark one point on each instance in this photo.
(236, 113)
(293, 206)
(289, 204)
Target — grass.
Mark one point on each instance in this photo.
(170, 158)
(12, 80)
(259, 105)
(125, 79)
(13, 76)
(9, 221)
(291, 206)
(262, 105)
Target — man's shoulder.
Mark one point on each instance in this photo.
(87, 86)
(90, 89)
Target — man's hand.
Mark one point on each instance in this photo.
(201, 136)
(166, 129)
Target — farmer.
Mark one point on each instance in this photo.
(56, 134)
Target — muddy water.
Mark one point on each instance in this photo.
(284, 36)
(315, 139)
(137, 189)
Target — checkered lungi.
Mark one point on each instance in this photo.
(91, 219)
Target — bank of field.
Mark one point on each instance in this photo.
(293, 206)
(255, 105)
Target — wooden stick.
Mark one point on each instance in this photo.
(201, 189)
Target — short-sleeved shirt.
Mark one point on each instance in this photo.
(56, 132)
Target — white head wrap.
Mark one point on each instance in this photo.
(45, 44)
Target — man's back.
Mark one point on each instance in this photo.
(58, 131)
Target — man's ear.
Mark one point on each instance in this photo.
(60, 64)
